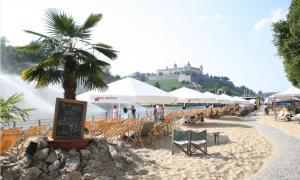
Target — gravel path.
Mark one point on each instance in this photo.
(285, 163)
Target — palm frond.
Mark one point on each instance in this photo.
(106, 50)
(33, 47)
(59, 23)
(35, 33)
(89, 23)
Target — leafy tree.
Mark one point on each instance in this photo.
(287, 41)
(70, 57)
(10, 111)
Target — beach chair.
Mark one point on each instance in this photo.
(181, 140)
(198, 141)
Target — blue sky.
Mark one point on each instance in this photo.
(229, 38)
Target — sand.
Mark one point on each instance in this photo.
(241, 153)
(291, 128)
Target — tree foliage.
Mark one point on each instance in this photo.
(69, 54)
(10, 111)
(287, 41)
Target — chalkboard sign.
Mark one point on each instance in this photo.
(69, 119)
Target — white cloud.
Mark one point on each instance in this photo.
(275, 16)
(264, 22)
(278, 14)
(216, 16)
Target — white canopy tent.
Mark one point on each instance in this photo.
(240, 100)
(128, 90)
(290, 93)
(210, 97)
(225, 99)
(186, 95)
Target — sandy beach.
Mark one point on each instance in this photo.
(241, 153)
(291, 128)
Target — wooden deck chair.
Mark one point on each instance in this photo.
(8, 137)
(181, 139)
(18, 146)
(198, 141)
(133, 135)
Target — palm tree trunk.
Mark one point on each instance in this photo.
(69, 79)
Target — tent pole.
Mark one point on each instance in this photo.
(275, 111)
(119, 114)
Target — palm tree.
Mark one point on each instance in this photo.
(10, 111)
(70, 57)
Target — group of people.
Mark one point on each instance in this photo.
(158, 113)
(115, 112)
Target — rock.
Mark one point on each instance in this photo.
(75, 175)
(73, 153)
(90, 166)
(10, 174)
(33, 173)
(113, 152)
(44, 176)
(72, 164)
(90, 176)
(53, 174)
(85, 153)
(63, 157)
(41, 154)
(55, 165)
(25, 161)
(43, 166)
(42, 144)
(51, 157)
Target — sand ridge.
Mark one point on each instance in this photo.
(241, 153)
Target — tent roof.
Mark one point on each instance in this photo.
(225, 99)
(186, 95)
(288, 93)
(129, 90)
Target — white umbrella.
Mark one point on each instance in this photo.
(129, 90)
(225, 99)
(240, 100)
(289, 93)
(186, 95)
(210, 97)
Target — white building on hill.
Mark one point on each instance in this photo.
(180, 70)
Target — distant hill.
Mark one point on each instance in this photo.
(214, 84)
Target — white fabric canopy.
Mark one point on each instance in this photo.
(186, 95)
(240, 100)
(225, 99)
(210, 97)
(128, 90)
(289, 93)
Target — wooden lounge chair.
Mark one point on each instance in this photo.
(181, 139)
(198, 141)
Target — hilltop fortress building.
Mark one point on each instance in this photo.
(178, 73)
(180, 70)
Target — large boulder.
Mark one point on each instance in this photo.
(54, 166)
(72, 164)
(75, 175)
(32, 173)
(51, 157)
(85, 154)
(42, 154)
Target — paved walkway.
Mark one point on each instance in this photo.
(285, 163)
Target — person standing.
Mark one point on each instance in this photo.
(162, 113)
(114, 112)
(155, 113)
(133, 111)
